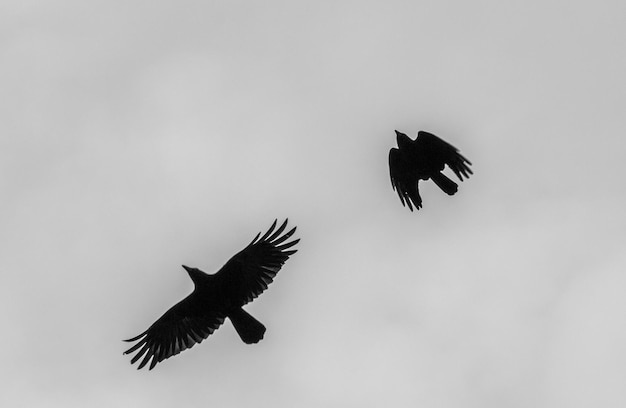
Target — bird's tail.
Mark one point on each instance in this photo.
(249, 329)
(444, 183)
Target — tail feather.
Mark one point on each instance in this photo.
(249, 329)
(444, 183)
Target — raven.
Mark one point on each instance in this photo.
(216, 297)
(421, 159)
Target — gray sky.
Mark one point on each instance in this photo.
(137, 136)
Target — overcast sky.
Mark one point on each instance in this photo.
(137, 136)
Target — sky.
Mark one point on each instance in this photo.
(137, 136)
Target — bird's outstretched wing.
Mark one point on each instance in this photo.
(441, 152)
(247, 274)
(178, 329)
(404, 179)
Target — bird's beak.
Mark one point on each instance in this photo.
(195, 274)
(399, 138)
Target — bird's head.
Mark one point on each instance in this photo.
(402, 140)
(194, 273)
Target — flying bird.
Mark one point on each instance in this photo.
(217, 297)
(422, 159)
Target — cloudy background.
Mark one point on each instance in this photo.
(137, 136)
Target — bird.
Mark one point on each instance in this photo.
(216, 297)
(422, 159)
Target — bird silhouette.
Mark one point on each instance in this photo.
(217, 297)
(422, 159)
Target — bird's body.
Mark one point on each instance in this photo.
(217, 297)
(422, 159)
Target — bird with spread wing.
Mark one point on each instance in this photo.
(422, 159)
(217, 297)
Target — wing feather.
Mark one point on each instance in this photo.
(443, 153)
(404, 179)
(247, 274)
(180, 328)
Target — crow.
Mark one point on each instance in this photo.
(421, 159)
(217, 297)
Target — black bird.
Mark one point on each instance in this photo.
(421, 159)
(216, 297)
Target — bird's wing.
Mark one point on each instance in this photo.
(404, 180)
(178, 329)
(247, 274)
(442, 153)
